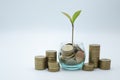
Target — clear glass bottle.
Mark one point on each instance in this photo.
(72, 57)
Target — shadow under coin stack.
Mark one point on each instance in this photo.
(52, 64)
(94, 54)
(40, 62)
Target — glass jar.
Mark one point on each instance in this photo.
(72, 57)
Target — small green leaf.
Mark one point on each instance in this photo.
(67, 15)
(76, 14)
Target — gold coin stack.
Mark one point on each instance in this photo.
(88, 67)
(53, 66)
(94, 54)
(40, 62)
(51, 55)
(104, 64)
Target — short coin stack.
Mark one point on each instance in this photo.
(94, 54)
(104, 64)
(40, 62)
(88, 67)
(51, 55)
(53, 66)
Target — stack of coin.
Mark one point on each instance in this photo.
(40, 62)
(94, 54)
(51, 55)
(104, 64)
(88, 67)
(72, 55)
(53, 66)
(67, 53)
(67, 50)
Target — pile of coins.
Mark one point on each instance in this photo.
(71, 55)
(94, 61)
(53, 66)
(50, 61)
(104, 64)
(94, 54)
(88, 67)
(40, 62)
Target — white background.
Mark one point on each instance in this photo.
(29, 27)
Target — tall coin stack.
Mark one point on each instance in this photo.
(40, 62)
(104, 64)
(94, 54)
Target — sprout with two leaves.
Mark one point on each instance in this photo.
(72, 20)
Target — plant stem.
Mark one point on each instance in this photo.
(72, 34)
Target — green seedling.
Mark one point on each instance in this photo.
(72, 20)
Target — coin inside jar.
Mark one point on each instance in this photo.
(79, 56)
(67, 50)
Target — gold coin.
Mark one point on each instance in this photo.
(52, 59)
(88, 67)
(40, 67)
(104, 64)
(40, 62)
(67, 50)
(40, 58)
(94, 54)
(54, 70)
(53, 66)
(68, 57)
(51, 53)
